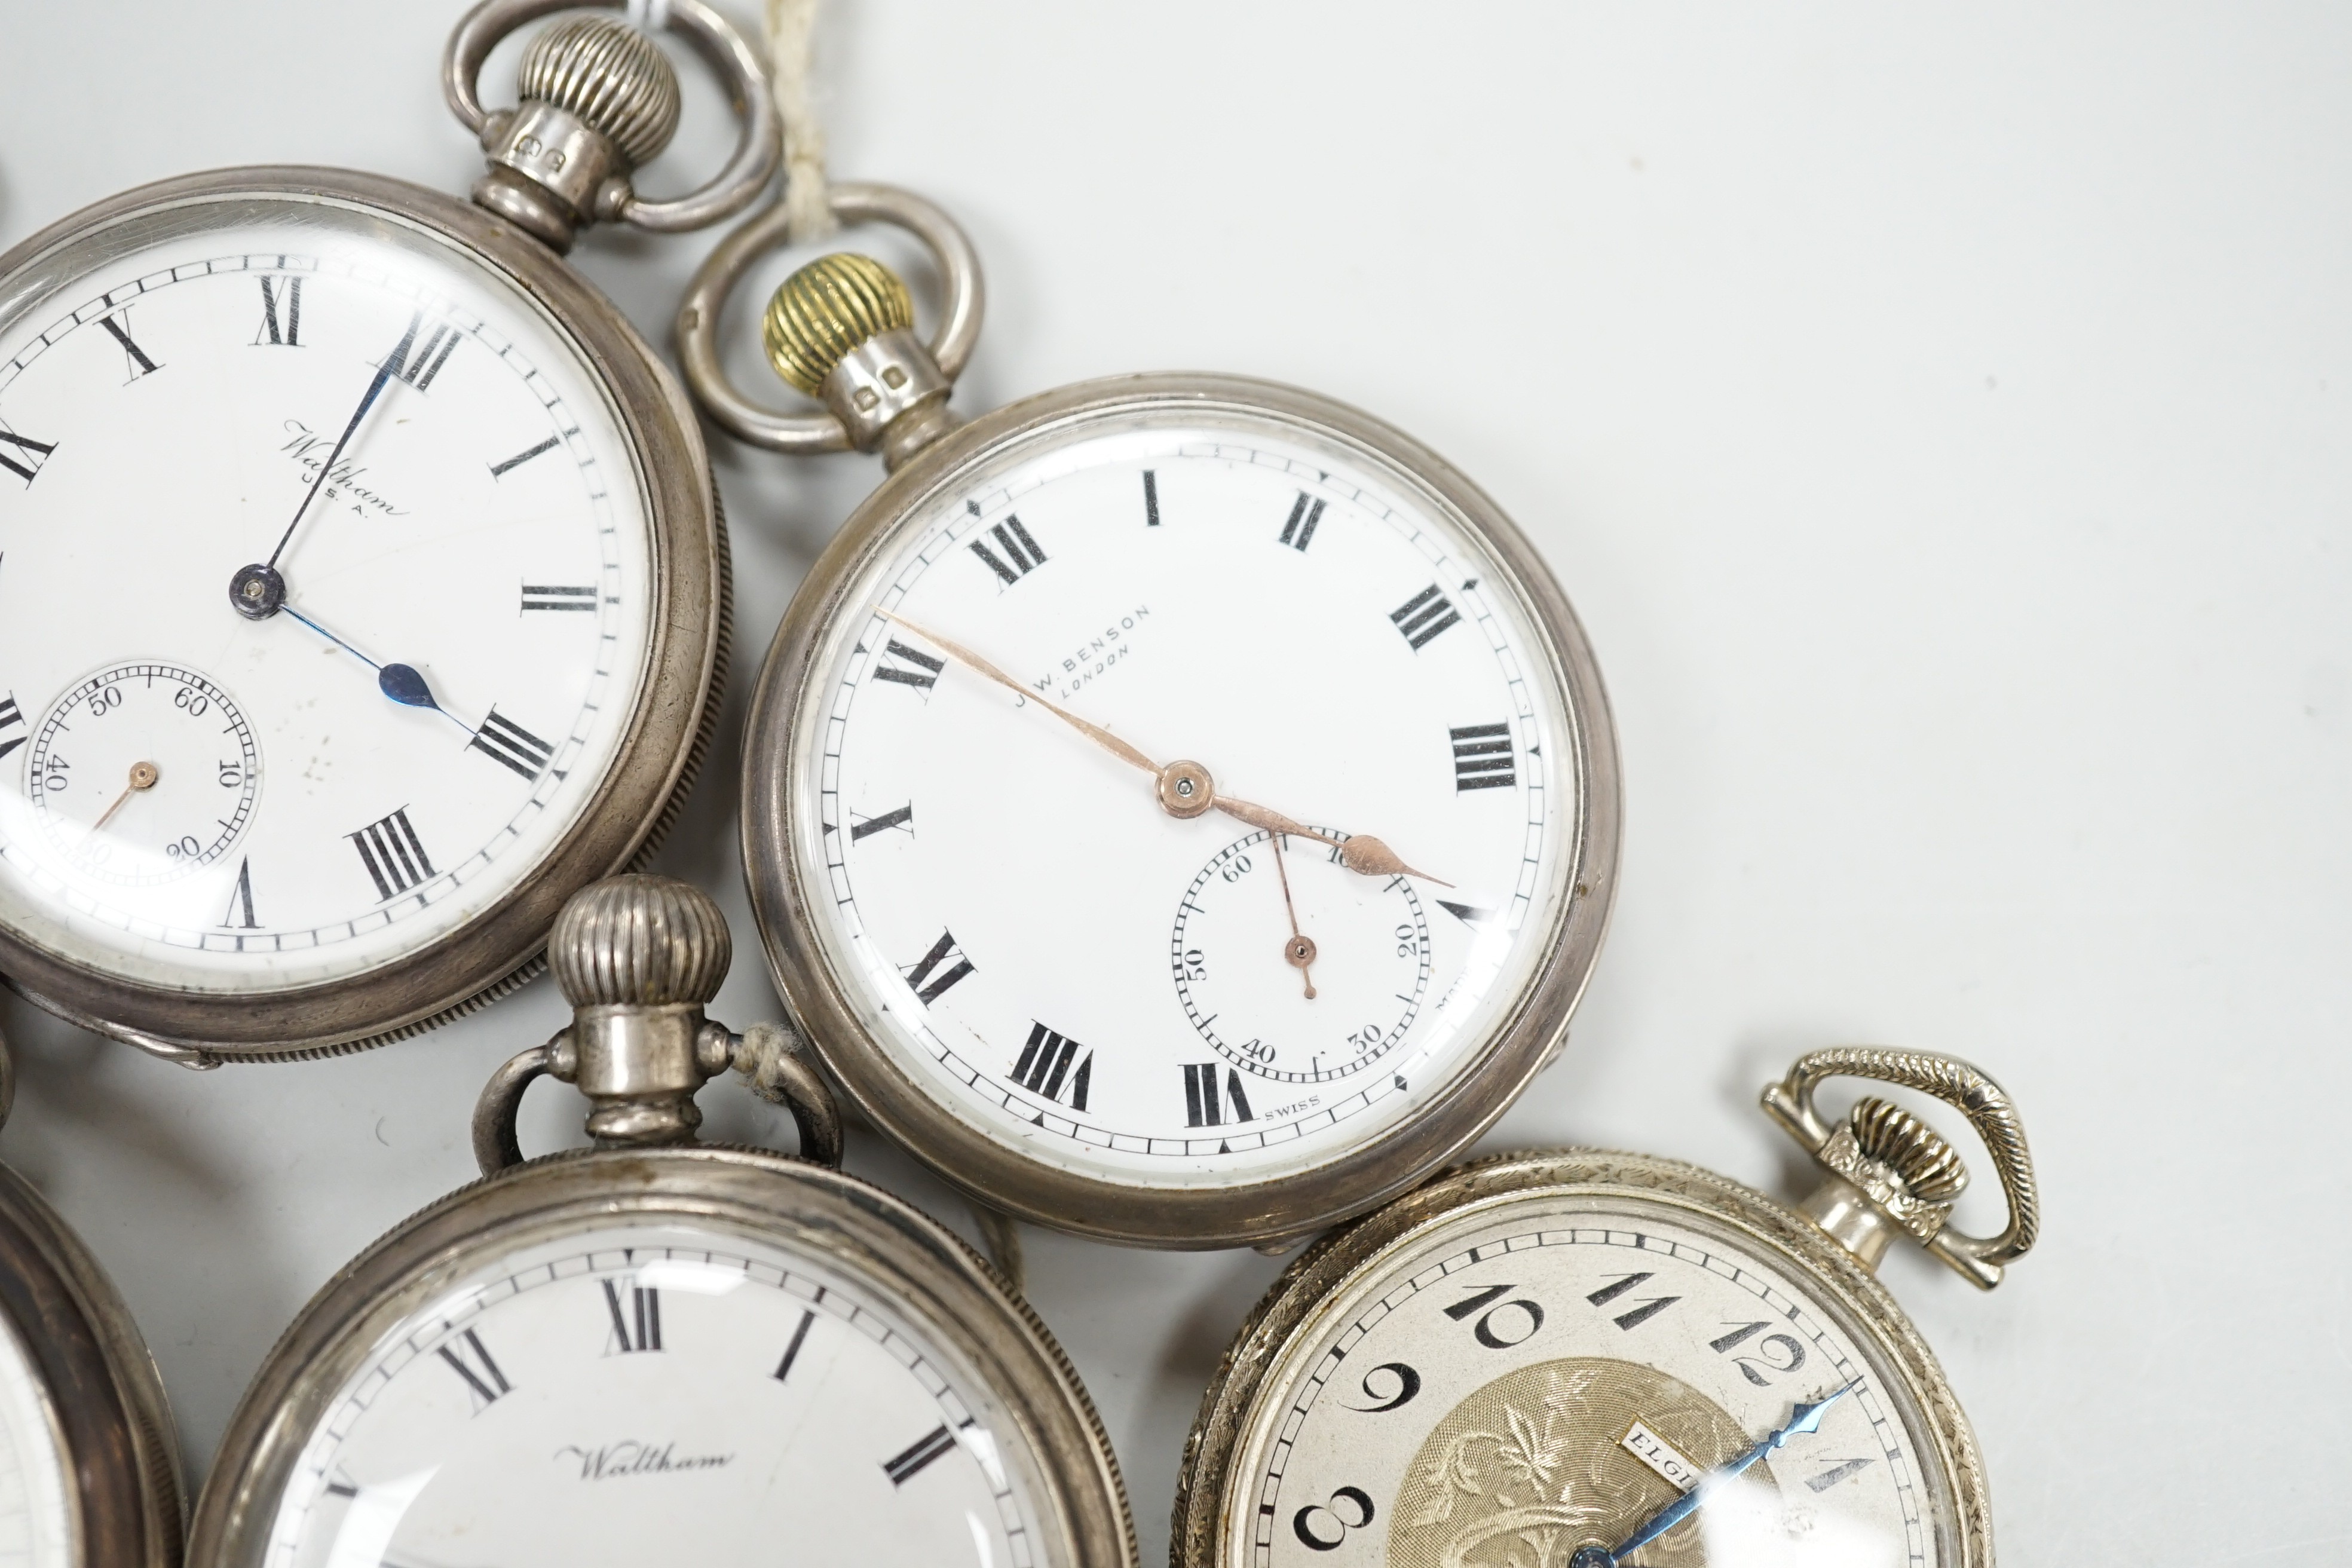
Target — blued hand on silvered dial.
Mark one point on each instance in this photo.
(1185, 788)
(1805, 1417)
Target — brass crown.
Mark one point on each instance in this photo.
(825, 310)
(639, 941)
(610, 75)
(1930, 1169)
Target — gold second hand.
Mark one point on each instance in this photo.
(143, 777)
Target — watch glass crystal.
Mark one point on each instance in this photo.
(324, 581)
(658, 1393)
(1041, 936)
(1550, 1375)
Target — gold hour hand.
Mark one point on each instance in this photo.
(1362, 854)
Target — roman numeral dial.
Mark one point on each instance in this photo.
(282, 313)
(1016, 554)
(409, 534)
(395, 856)
(1116, 966)
(23, 455)
(635, 1313)
(1054, 1066)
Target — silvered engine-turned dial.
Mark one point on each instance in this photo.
(1552, 1374)
(357, 582)
(1587, 1359)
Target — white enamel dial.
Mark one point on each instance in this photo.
(465, 629)
(659, 1393)
(36, 1492)
(1109, 987)
(1547, 1374)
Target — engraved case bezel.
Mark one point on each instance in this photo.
(1234, 1409)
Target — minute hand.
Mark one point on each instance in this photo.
(393, 362)
(1362, 853)
(1804, 1418)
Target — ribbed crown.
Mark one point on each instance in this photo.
(610, 75)
(826, 310)
(1930, 1168)
(650, 941)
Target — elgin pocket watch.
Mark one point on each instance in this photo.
(652, 1352)
(1582, 1359)
(88, 1467)
(362, 586)
(1181, 809)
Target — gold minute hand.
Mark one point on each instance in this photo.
(1095, 732)
(1185, 788)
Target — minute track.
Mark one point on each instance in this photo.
(967, 1033)
(208, 319)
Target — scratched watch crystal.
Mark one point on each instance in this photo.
(324, 584)
(658, 1393)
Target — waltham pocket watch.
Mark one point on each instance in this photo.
(1181, 809)
(653, 1352)
(363, 585)
(1579, 1359)
(90, 1472)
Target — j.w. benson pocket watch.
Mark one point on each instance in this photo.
(656, 1351)
(89, 1467)
(363, 585)
(1181, 809)
(1582, 1359)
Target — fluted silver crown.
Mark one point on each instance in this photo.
(610, 75)
(642, 941)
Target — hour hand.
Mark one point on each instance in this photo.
(1360, 853)
(1184, 788)
(404, 683)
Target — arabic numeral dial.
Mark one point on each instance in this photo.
(1576, 1375)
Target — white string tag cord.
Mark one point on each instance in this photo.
(792, 25)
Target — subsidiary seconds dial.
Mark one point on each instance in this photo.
(1185, 797)
(144, 773)
(328, 605)
(1362, 944)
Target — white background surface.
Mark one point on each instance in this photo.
(1939, 415)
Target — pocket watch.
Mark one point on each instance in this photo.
(1585, 1359)
(654, 1351)
(1004, 767)
(90, 1472)
(363, 585)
